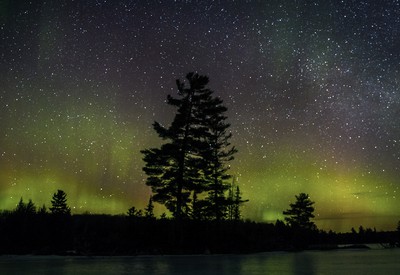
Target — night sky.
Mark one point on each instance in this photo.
(312, 90)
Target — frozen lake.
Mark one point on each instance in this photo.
(382, 261)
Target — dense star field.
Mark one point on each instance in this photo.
(312, 90)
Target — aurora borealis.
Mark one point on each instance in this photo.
(312, 90)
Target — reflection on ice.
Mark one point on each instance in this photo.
(373, 261)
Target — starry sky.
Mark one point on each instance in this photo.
(312, 90)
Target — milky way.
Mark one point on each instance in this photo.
(312, 89)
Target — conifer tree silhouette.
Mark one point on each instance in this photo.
(59, 204)
(192, 159)
(301, 212)
(149, 210)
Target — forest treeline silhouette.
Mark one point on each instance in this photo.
(28, 229)
(188, 174)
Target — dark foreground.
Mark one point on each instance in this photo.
(106, 235)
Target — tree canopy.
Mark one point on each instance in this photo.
(188, 172)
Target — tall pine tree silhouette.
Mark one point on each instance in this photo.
(191, 162)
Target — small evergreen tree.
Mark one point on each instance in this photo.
(25, 208)
(30, 207)
(236, 209)
(301, 212)
(133, 212)
(21, 207)
(149, 210)
(59, 204)
(238, 201)
(234, 201)
(42, 210)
